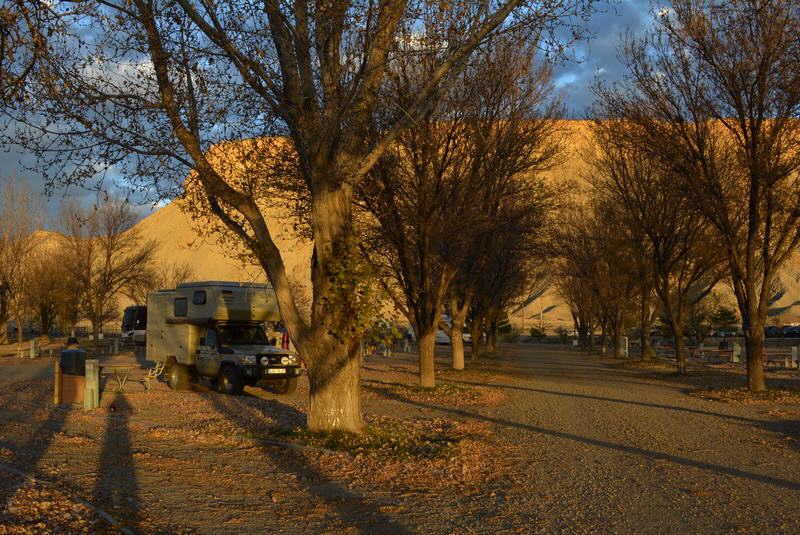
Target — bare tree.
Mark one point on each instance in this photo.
(670, 236)
(515, 135)
(480, 147)
(105, 255)
(167, 80)
(45, 280)
(716, 88)
(20, 218)
(595, 248)
(157, 276)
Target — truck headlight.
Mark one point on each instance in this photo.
(288, 359)
(265, 361)
(247, 359)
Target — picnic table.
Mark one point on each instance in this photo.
(120, 373)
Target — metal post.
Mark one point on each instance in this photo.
(116, 345)
(624, 348)
(541, 322)
(56, 382)
(795, 357)
(737, 352)
(33, 347)
(91, 393)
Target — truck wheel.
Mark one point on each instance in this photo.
(285, 387)
(179, 376)
(230, 381)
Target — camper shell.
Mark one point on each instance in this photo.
(215, 329)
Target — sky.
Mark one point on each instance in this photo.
(593, 59)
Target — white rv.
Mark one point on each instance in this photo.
(216, 329)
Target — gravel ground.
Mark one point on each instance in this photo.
(551, 440)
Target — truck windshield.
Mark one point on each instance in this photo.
(232, 335)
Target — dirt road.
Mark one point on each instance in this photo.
(576, 445)
(602, 448)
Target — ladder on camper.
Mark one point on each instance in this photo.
(153, 373)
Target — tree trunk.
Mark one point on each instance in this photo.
(680, 350)
(604, 340)
(335, 393)
(676, 326)
(457, 315)
(457, 346)
(645, 323)
(334, 376)
(754, 345)
(476, 332)
(617, 340)
(20, 326)
(491, 339)
(46, 318)
(3, 318)
(427, 346)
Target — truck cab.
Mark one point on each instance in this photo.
(244, 346)
(215, 329)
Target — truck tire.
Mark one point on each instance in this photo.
(230, 380)
(178, 376)
(285, 387)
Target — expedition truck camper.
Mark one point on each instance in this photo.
(216, 329)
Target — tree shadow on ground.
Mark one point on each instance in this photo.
(117, 488)
(788, 429)
(633, 450)
(29, 453)
(610, 400)
(354, 509)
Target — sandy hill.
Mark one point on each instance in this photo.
(178, 242)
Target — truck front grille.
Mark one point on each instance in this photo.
(273, 359)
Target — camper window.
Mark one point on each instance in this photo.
(180, 307)
(199, 297)
(242, 335)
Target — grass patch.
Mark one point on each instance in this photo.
(400, 439)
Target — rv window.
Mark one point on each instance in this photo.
(180, 307)
(211, 338)
(199, 297)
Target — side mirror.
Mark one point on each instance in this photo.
(202, 340)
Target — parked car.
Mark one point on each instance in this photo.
(791, 331)
(442, 338)
(773, 332)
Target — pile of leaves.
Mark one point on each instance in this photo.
(37, 508)
(412, 454)
(744, 396)
(442, 394)
(395, 438)
(648, 365)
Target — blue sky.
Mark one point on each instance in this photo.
(595, 58)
